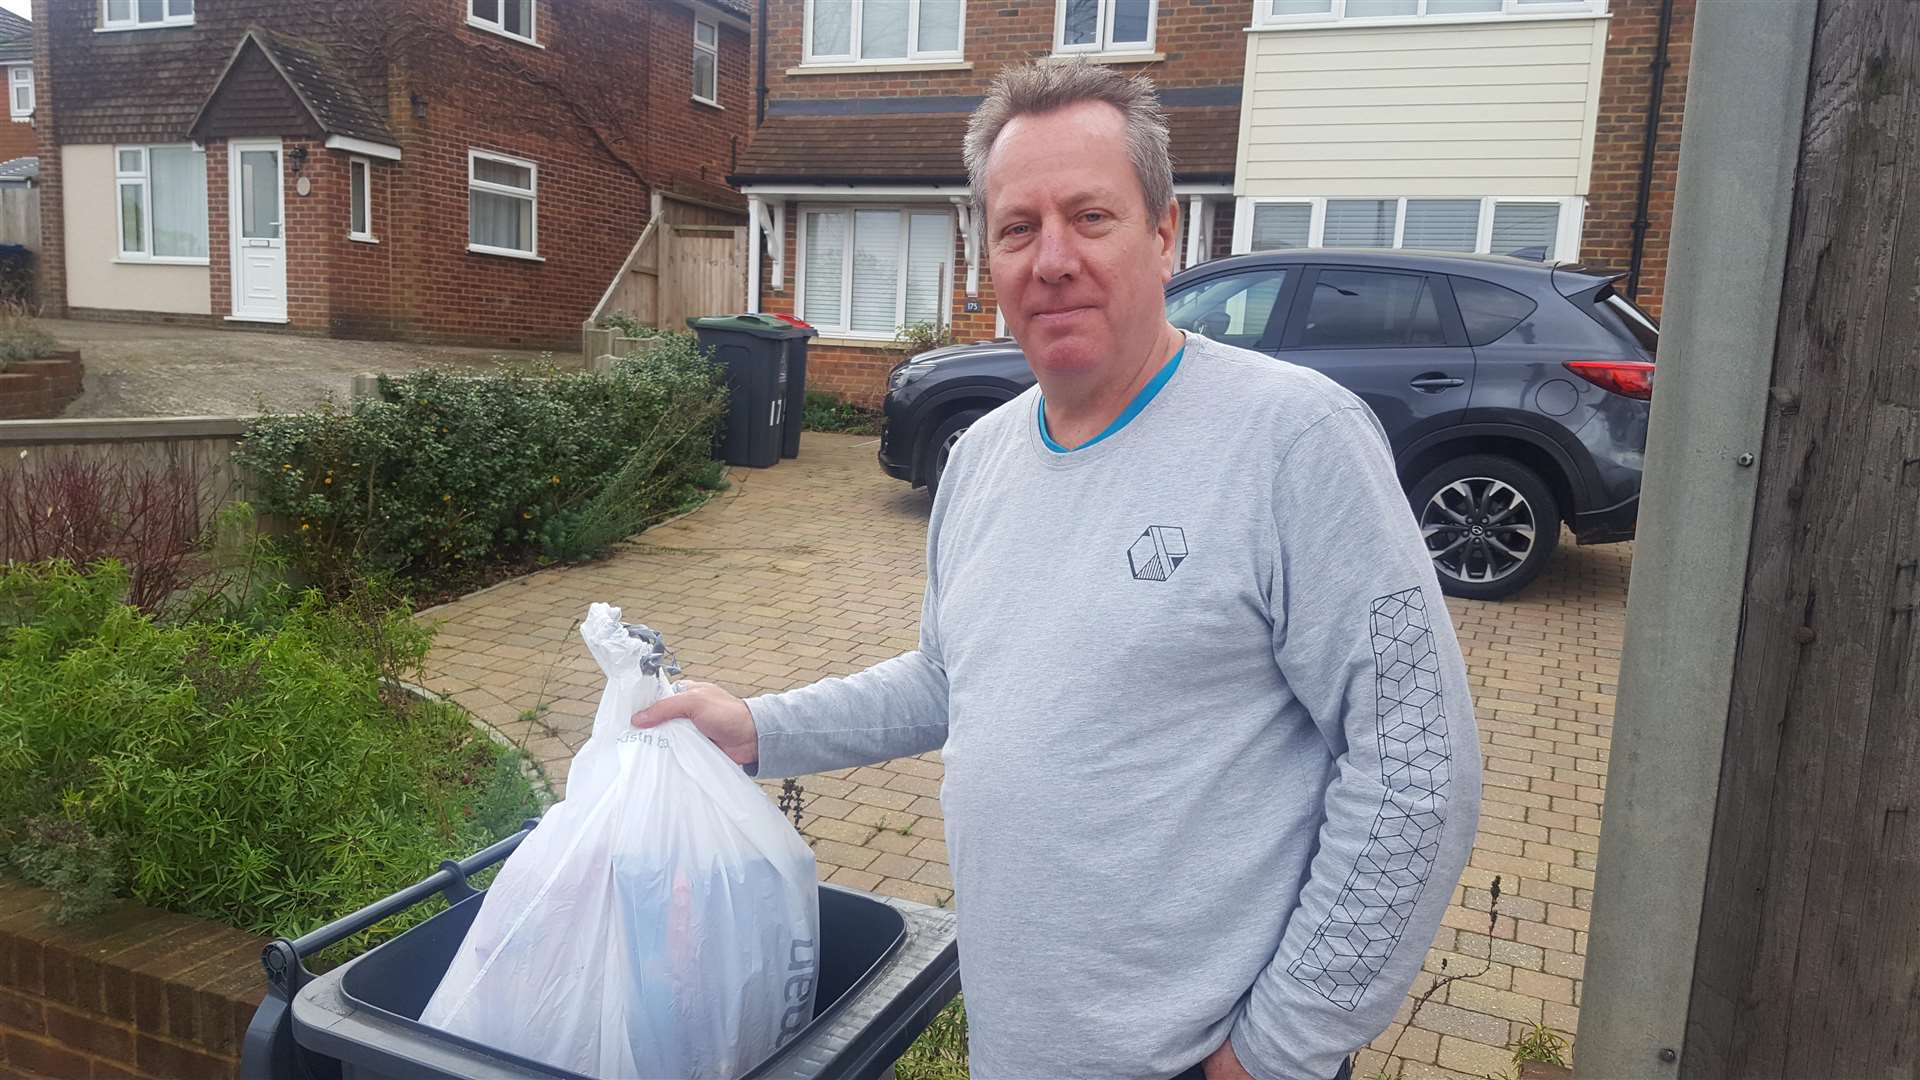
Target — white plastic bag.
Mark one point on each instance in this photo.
(662, 921)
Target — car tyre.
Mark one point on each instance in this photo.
(1489, 522)
(941, 445)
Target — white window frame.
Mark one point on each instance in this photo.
(16, 83)
(530, 194)
(852, 56)
(143, 179)
(905, 210)
(169, 16)
(364, 166)
(712, 50)
(498, 24)
(1566, 241)
(1103, 44)
(1264, 17)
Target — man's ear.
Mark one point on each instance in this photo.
(1168, 231)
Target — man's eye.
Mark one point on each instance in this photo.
(1016, 230)
(1094, 216)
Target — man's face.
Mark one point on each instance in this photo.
(1079, 265)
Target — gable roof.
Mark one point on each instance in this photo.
(16, 37)
(335, 103)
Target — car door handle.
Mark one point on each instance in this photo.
(1434, 381)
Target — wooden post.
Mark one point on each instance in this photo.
(1808, 961)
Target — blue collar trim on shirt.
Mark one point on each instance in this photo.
(1140, 401)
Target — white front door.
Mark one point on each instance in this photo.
(259, 242)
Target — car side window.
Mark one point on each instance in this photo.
(1235, 310)
(1489, 310)
(1365, 309)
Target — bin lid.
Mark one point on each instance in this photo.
(766, 326)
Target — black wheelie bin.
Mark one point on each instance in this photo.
(886, 968)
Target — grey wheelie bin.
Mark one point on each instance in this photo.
(766, 359)
(886, 968)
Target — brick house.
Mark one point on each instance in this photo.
(1504, 126)
(1469, 124)
(449, 170)
(17, 138)
(855, 165)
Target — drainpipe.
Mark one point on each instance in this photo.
(760, 81)
(1654, 100)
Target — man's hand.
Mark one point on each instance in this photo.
(718, 715)
(1224, 1064)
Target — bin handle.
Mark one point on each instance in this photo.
(284, 959)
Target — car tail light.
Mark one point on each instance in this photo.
(1628, 378)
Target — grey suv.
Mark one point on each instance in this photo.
(1515, 394)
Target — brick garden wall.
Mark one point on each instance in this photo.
(134, 994)
(1619, 141)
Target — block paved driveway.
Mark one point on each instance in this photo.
(814, 568)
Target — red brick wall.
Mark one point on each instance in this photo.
(1202, 41)
(604, 109)
(50, 264)
(1619, 142)
(134, 994)
(18, 139)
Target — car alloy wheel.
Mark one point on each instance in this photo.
(1478, 529)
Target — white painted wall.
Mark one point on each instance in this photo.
(1465, 109)
(94, 278)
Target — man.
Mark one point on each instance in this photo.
(1211, 767)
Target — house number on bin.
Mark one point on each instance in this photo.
(777, 412)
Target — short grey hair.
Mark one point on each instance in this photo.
(1047, 86)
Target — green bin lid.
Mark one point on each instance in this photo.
(766, 326)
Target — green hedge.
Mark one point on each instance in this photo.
(444, 472)
(264, 775)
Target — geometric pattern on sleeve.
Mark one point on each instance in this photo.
(1377, 901)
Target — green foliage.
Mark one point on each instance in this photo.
(65, 858)
(443, 473)
(825, 412)
(940, 1053)
(922, 337)
(20, 339)
(1542, 1044)
(628, 325)
(261, 775)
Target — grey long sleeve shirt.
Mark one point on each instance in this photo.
(1211, 766)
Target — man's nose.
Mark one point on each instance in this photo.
(1059, 256)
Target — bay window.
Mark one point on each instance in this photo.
(868, 271)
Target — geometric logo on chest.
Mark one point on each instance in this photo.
(1158, 553)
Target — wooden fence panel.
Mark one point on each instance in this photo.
(20, 215)
(202, 445)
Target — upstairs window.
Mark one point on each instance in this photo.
(514, 18)
(1286, 12)
(20, 91)
(883, 31)
(706, 62)
(1104, 26)
(134, 14)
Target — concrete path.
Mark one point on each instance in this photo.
(139, 369)
(814, 568)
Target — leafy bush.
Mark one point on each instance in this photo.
(922, 337)
(628, 325)
(826, 412)
(16, 278)
(442, 473)
(259, 777)
(82, 510)
(20, 337)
